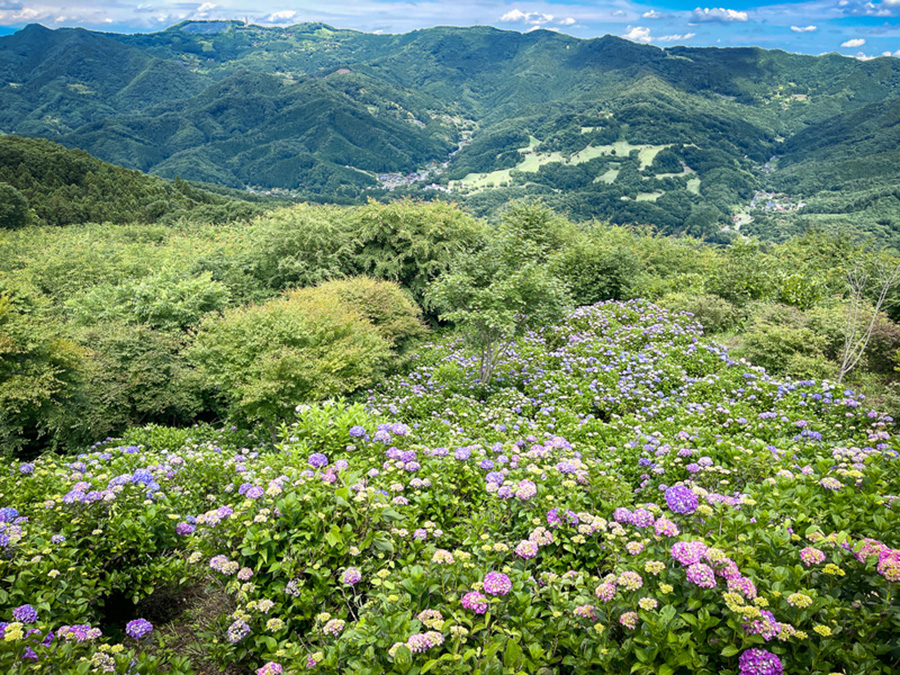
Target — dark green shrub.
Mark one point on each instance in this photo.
(781, 339)
(13, 208)
(715, 314)
(383, 303)
(595, 271)
(136, 376)
(262, 360)
(411, 243)
(40, 376)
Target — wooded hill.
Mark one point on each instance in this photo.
(678, 138)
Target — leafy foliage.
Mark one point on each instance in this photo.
(678, 138)
(504, 289)
(301, 347)
(64, 187)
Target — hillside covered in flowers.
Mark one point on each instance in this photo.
(623, 496)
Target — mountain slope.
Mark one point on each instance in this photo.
(64, 187)
(326, 112)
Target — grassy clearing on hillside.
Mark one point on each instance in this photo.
(532, 160)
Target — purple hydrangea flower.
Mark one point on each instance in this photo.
(357, 432)
(702, 575)
(138, 628)
(553, 519)
(765, 625)
(462, 454)
(317, 460)
(688, 552)
(760, 662)
(238, 631)
(681, 499)
(8, 514)
(495, 477)
(184, 529)
(351, 576)
(142, 476)
(642, 518)
(25, 614)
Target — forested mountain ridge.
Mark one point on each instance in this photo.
(44, 183)
(678, 138)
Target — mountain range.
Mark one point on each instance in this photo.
(692, 140)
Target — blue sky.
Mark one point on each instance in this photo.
(860, 28)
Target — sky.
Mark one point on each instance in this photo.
(858, 28)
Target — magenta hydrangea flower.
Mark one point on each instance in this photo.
(605, 591)
(702, 575)
(759, 662)
(475, 601)
(811, 556)
(629, 620)
(271, 668)
(688, 552)
(497, 583)
(421, 642)
(666, 528)
(526, 549)
(526, 490)
(765, 625)
(139, 628)
(351, 576)
(742, 585)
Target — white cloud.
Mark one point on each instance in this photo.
(638, 34)
(652, 14)
(284, 16)
(855, 42)
(19, 14)
(568, 21)
(864, 57)
(894, 54)
(675, 38)
(534, 18)
(804, 29)
(206, 7)
(717, 15)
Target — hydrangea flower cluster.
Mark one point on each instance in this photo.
(760, 662)
(475, 602)
(497, 583)
(139, 628)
